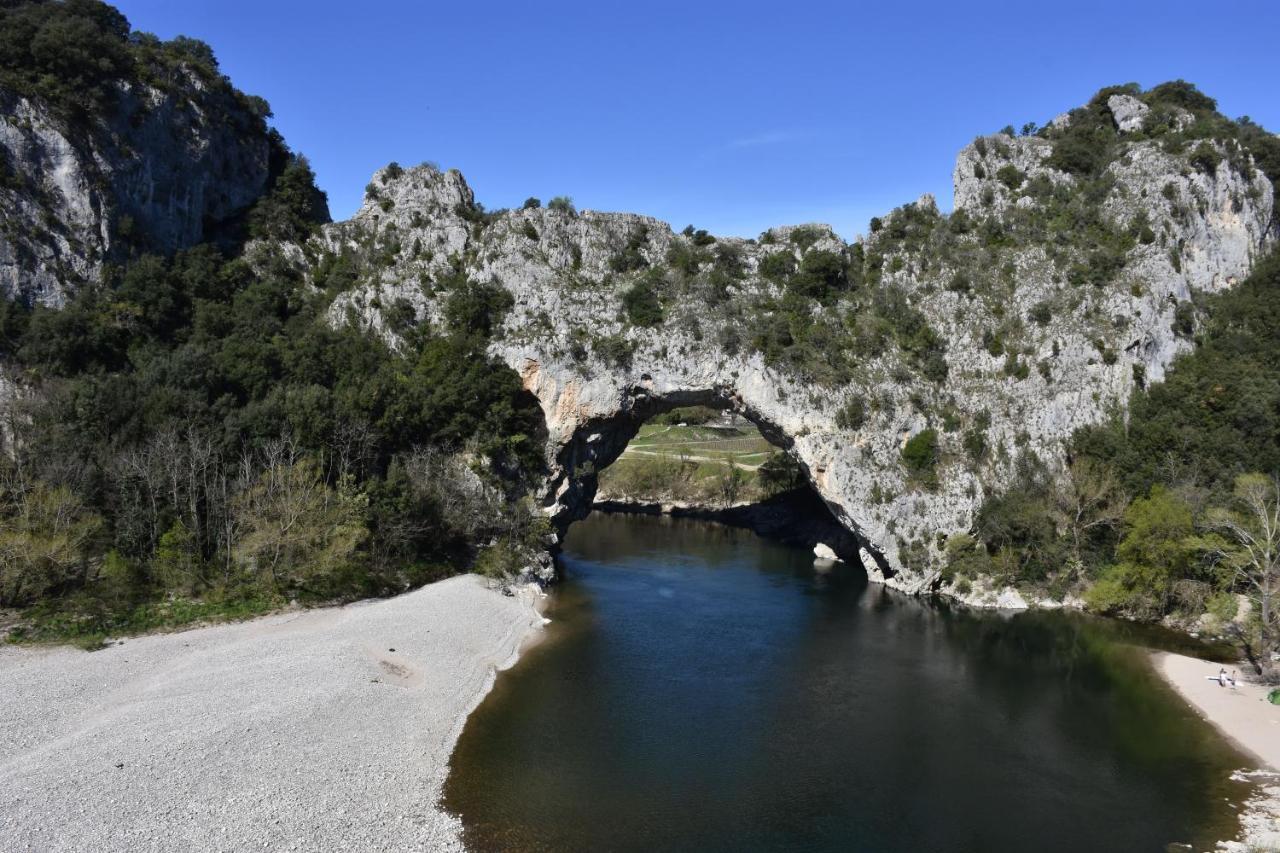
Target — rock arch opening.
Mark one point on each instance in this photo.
(719, 466)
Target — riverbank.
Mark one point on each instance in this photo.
(1243, 715)
(327, 728)
(797, 517)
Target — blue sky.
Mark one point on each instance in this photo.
(731, 117)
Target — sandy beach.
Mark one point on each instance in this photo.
(318, 729)
(1244, 716)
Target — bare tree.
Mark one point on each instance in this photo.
(730, 484)
(444, 478)
(352, 448)
(294, 526)
(1087, 500)
(173, 477)
(46, 534)
(1250, 550)
(139, 482)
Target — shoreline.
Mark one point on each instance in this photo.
(294, 676)
(1245, 719)
(797, 518)
(331, 727)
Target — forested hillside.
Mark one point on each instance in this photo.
(188, 436)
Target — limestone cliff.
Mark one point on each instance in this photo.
(1032, 309)
(162, 170)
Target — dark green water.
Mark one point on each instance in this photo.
(703, 689)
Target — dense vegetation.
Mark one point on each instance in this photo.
(195, 437)
(75, 54)
(199, 429)
(1140, 519)
(1088, 143)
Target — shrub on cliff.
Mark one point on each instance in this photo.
(562, 204)
(477, 308)
(778, 265)
(630, 257)
(920, 457)
(641, 304)
(852, 415)
(292, 208)
(822, 276)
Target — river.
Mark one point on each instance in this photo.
(703, 689)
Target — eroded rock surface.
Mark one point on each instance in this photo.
(1072, 348)
(165, 169)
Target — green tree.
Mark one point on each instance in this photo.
(68, 52)
(920, 457)
(562, 204)
(822, 276)
(780, 473)
(477, 308)
(729, 483)
(177, 564)
(1158, 550)
(641, 304)
(294, 206)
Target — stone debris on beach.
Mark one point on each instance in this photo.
(276, 733)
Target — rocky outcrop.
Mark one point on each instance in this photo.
(163, 170)
(1035, 347)
(1128, 111)
(977, 178)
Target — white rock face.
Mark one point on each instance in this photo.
(1128, 111)
(163, 165)
(823, 551)
(975, 177)
(597, 378)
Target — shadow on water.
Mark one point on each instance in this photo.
(704, 689)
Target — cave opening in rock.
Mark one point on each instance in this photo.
(697, 454)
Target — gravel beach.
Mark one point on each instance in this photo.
(318, 729)
(1243, 715)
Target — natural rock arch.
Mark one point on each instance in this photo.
(1017, 349)
(995, 327)
(588, 430)
(597, 443)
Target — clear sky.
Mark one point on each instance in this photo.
(729, 116)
